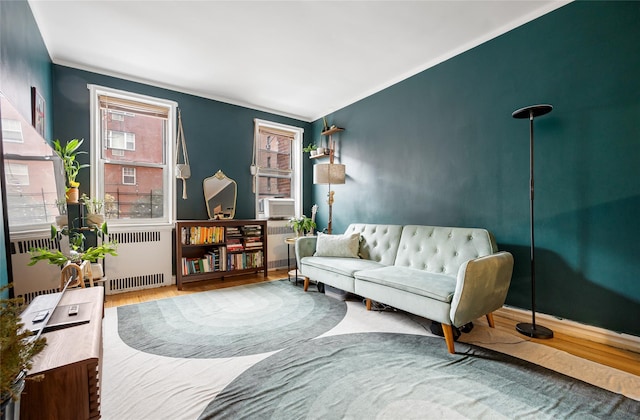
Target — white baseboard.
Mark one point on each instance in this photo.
(574, 329)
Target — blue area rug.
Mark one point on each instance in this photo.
(210, 355)
(232, 322)
(399, 376)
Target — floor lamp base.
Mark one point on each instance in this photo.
(534, 331)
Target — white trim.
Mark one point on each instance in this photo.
(97, 189)
(296, 154)
(574, 329)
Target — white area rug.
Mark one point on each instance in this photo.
(140, 385)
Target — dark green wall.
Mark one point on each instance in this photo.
(219, 136)
(441, 148)
(24, 62)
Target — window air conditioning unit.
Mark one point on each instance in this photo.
(278, 208)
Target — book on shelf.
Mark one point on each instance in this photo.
(202, 235)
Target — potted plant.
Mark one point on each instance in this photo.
(77, 253)
(311, 149)
(301, 224)
(95, 209)
(68, 153)
(17, 350)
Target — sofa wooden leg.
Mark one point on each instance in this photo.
(490, 320)
(368, 301)
(448, 337)
(306, 283)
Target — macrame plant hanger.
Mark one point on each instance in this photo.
(183, 170)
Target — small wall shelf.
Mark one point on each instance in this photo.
(332, 131)
(320, 156)
(332, 147)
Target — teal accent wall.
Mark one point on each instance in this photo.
(219, 136)
(24, 62)
(441, 148)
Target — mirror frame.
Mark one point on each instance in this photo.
(210, 192)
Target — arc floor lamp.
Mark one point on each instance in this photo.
(525, 328)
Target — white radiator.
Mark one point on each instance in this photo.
(277, 231)
(38, 279)
(144, 261)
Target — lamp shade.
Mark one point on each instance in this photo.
(328, 173)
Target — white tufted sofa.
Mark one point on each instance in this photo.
(450, 275)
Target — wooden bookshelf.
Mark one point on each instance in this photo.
(214, 249)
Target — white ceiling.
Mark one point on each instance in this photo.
(303, 59)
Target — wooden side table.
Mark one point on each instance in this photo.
(291, 241)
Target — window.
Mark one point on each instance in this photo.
(33, 173)
(17, 173)
(12, 130)
(129, 176)
(120, 139)
(277, 165)
(132, 155)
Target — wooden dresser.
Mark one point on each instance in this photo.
(71, 361)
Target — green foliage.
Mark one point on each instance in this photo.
(302, 224)
(17, 348)
(310, 147)
(93, 205)
(76, 243)
(68, 153)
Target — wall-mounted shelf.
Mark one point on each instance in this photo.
(321, 156)
(331, 131)
(332, 147)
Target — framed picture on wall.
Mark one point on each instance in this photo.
(37, 111)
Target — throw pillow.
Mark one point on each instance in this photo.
(345, 246)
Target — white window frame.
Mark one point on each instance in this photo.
(129, 140)
(124, 175)
(98, 162)
(296, 164)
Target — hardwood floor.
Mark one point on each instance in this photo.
(624, 360)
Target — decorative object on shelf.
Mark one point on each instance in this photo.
(38, 114)
(95, 210)
(17, 350)
(183, 170)
(68, 153)
(301, 224)
(311, 148)
(329, 174)
(220, 193)
(531, 329)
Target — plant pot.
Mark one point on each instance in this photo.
(62, 220)
(96, 219)
(320, 151)
(73, 194)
